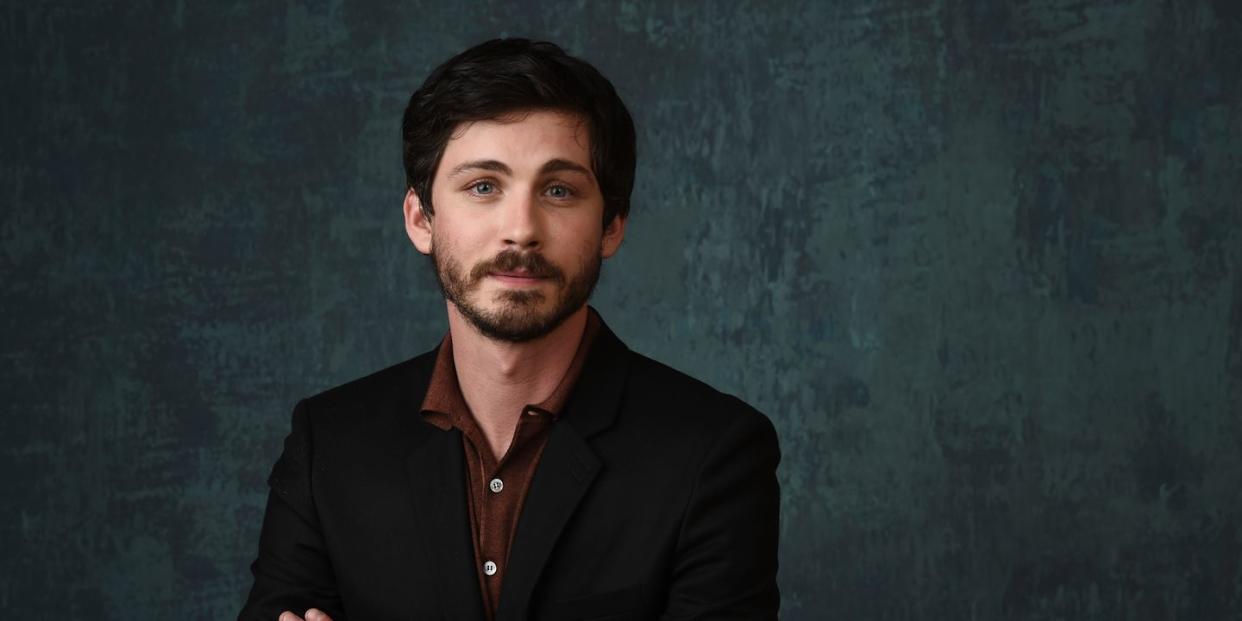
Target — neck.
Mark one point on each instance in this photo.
(497, 378)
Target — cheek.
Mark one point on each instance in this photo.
(459, 236)
(588, 249)
(585, 228)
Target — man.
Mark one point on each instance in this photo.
(531, 466)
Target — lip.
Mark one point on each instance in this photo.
(516, 279)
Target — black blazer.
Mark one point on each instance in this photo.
(656, 497)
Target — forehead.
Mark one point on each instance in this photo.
(523, 140)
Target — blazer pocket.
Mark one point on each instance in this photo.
(616, 605)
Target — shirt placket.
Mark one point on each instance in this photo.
(490, 471)
(495, 495)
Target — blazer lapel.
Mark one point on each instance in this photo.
(565, 472)
(437, 471)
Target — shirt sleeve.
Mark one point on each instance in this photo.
(726, 559)
(293, 570)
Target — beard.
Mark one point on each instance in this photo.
(518, 318)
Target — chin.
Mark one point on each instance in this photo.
(516, 316)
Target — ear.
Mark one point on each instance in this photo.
(614, 233)
(417, 224)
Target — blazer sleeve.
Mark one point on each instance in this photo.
(726, 559)
(293, 570)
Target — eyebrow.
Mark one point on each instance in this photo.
(553, 165)
(491, 165)
(558, 165)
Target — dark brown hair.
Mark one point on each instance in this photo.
(503, 76)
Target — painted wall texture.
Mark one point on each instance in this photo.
(981, 263)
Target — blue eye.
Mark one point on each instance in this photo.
(559, 191)
(483, 187)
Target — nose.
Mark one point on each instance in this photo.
(521, 223)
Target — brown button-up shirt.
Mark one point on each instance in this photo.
(496, 488)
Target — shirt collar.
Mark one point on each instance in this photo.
(444, 405)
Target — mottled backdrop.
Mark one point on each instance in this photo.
(981, 262)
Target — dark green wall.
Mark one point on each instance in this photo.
(981, 262)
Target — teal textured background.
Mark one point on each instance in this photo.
(980, 262)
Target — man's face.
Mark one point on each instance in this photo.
(517, 238)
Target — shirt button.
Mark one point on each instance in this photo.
(489, 568)
(532, 412)
(496, 485)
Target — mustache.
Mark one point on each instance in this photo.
(512, 260)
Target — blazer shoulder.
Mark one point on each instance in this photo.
(396, 384)
(657, 387)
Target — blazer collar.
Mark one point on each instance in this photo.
(592, 405)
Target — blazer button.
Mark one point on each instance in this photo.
(489, 568)
(496, 485)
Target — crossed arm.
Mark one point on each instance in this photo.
(726, 558)
(292, 571)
